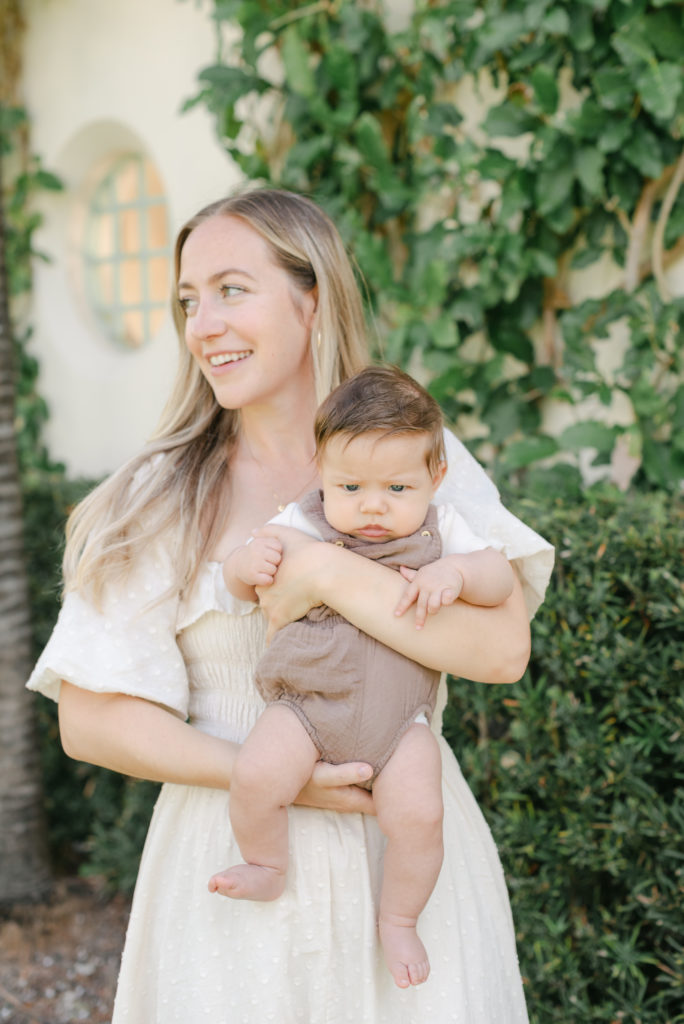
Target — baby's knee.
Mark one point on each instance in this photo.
(249, 778)
(428, 812)
(424, 814)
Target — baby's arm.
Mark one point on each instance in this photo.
(479, 577)
(252, 565)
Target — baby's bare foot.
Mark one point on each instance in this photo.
(249, 882)
(405, 954)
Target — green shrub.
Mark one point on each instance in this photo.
(579, 767)
(96, 819)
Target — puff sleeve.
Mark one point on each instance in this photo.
(129, 646)
(469, 489)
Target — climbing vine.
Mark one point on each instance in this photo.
(490, 164)
(23, 177)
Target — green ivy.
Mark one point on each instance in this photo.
(467, 248)
(24, 178)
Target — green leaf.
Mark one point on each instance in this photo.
(557, 22)
(585, 257)
(581, 28)
(541, 262)
(495, 165)
(643, 152)
(590, 434)
(553, 186)
(296, 61)
(545, 88)
(665, 32)
(617, 129)
(589, 170)
(632, 47)
(500, 31)
(508, 120)
(663, 466)
(444, 332)
(370, 141)
(528, 450)
(231, 83)
(614, 88)
(660, 86)
(47, 180)
(514, 342)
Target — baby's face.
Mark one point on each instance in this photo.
(377, 487)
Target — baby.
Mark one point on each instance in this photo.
(334, 693)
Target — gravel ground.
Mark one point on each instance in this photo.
(59, 960)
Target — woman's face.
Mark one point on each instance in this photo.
(246, 323)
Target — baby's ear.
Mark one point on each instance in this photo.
(438, 475)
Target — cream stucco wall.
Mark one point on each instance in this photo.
(102, 77)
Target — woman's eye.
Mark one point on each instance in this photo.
(350, 488)
(187, 305)
(397, 488)
(229, 291)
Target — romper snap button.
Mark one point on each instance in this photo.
(425, 533)
(339, 543)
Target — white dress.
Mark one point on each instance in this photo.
(311, 957)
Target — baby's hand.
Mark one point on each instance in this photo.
(430, 588)
(257, 562)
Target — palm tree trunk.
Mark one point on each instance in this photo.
(24, 864)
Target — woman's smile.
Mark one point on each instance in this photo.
(222, 358)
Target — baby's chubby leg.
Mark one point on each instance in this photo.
(408, 800)
(274, 763)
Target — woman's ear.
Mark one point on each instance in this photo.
(438, 476)
(310, 307)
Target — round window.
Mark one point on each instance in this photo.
(126, 251)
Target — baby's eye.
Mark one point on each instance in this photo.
(397, 488)
(350, 488)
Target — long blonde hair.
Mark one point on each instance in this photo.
(173, 486)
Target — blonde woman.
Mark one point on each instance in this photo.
(152, 659)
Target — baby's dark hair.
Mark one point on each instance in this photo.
(383, 399)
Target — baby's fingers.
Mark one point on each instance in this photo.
(406, 599)
(429, 603)
(422, 608)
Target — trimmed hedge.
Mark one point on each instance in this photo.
(97, 819)
(578, 767)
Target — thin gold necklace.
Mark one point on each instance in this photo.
(281, 505)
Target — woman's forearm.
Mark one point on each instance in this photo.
(490, 645)
(138, 738)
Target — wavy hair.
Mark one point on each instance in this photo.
(172, 487)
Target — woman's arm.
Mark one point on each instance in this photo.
(138, 738)
(490, 645)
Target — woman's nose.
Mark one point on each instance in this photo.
(206, 321)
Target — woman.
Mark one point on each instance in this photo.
(148, 636)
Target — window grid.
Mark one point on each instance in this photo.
(118, 269)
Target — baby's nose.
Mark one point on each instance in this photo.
(374, 501)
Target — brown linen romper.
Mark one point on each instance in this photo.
(354, 696)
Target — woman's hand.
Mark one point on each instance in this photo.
(335, 787)
(294, 590)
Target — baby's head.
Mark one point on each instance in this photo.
(380, 450)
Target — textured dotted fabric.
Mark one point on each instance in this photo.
(192, 957)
